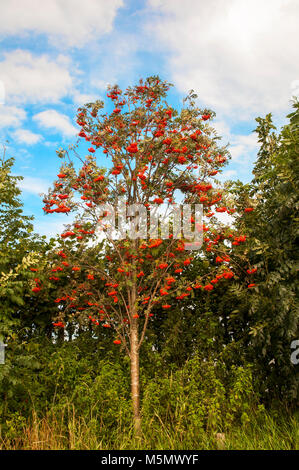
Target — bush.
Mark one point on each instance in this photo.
(201, 396)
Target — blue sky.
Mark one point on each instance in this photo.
(240, 57)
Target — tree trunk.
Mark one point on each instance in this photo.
(135, 385)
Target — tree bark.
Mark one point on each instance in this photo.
(135, 382)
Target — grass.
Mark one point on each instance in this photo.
(65, 430)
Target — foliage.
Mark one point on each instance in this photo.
(271, 310)
(82, 402)
(20, 249)
(217, 360)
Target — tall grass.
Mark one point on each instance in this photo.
(65, 430)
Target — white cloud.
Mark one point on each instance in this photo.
(33, 185)
(227, 174)
(2, 92)
(66, 22)
(242, 57)
(82, 98)
(34, 79)
(26, 137)
(53, 120)
(102, 84)
(221, 128)
(11, 116)
(242, 145)
(236, 151)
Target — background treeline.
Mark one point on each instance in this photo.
(217, 363)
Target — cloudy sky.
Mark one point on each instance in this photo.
(240, 56)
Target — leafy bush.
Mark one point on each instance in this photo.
(196, 397)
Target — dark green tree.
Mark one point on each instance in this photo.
(270, 309)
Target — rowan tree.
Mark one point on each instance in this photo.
(149, 153)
